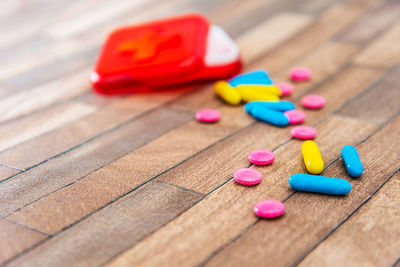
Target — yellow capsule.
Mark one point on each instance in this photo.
(312, 157)
(229, 94)
(259, 88)
(256, 95)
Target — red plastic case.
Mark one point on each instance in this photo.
(160, 53)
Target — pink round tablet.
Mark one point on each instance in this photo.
(303, 132)
(286, 88)
(208, 115)
(299, 74)
(261, 157)
(269, 209)
(313, 101)
(247, 176)
(295, 116)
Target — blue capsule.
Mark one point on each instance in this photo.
(253, 77)
(319, 184)
(352, 161)
(275, 105)
(270, 116)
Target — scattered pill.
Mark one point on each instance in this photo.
(229, 94)
(319, 184)
(208, 115)
(313, 101)
(275, 105)
(270, 116)
(312, 157)
(269, 209)
(352, 161)
(253, 77)
(261, 157)
(299, 74)
(258, 89)
(295, 116)
(303, 132)
(247, 176)
(286, 88)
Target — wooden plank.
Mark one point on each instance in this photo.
(70, 204)
(311, 217)
(6, 172)
(188, 102)
(324, 61)
(270, 33)
(343, 86)
(369, 237)
(51, 143)
(29, 101)
(15, 238)
(83, 160)
(328, 24)
(372, 23)
(384, 51)
(105, 234)
(378, 104)
(230, 206)
(13, 134)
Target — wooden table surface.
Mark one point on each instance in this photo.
(135, 180)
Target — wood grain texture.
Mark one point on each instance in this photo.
(62, 208)
(379, 103)
(40, 123)
(330, 22)
(67, 168)
(384, 51)
(372, 23)
(374, 243)
(310, 217)
(6, 172)
(45, 141)
(112, 230)
(232, 203)
(15, 238)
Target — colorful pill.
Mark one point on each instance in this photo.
(303, 132)
(253, 95)
(261, 157)
(247, 176)
(275, 105)
(295, 116)
(300, 74)
(286, 88)
(269, 209)
(270, 116)
(313, 101)
(227, 93)
(312, 157)
(319, 184)
(352, 161)
(258, 89)
(208, 115)
(253, 77)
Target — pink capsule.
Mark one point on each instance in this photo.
(286, 88)
(247, 176)
(208, 115)
(295, 116)
(261, 157)
(304, 132)
(300, 74)
(269, 209)
(313, 101)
